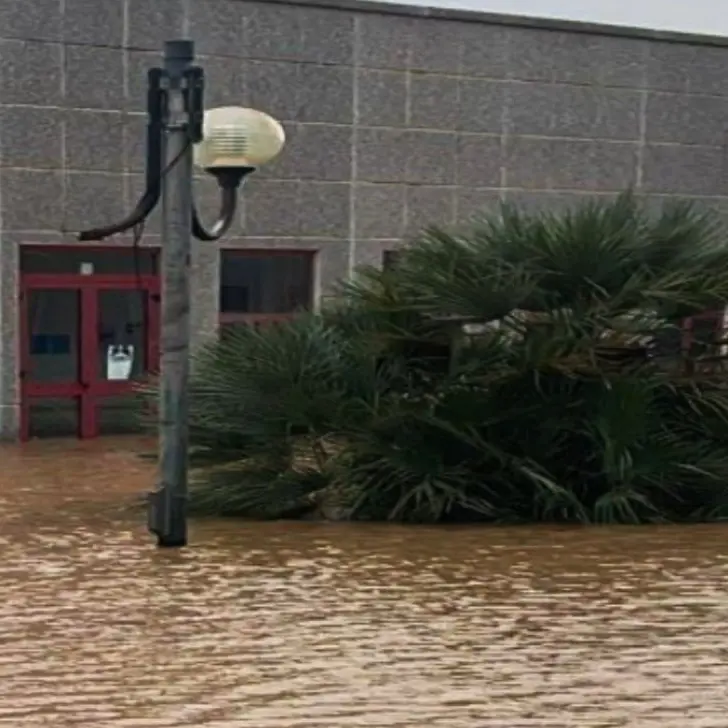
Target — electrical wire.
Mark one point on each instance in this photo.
(143, 208)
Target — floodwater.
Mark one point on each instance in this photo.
(335, 626)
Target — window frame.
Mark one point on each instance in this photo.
(257, 319)
(713, 361)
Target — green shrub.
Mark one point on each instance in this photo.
(517, 370)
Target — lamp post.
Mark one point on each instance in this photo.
(229, 143)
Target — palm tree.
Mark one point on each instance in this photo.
(519, 369)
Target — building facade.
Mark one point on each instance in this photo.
(396, 117)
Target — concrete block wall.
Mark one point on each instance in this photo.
(396, 117)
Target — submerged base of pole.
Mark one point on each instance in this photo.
(167, 519)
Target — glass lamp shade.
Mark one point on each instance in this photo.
(238, 137)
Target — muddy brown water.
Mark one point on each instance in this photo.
(293, 625)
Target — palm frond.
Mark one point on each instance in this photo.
(528, 367)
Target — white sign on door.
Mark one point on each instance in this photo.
(119, 362)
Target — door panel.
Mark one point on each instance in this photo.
(120, 415)
(53, 337)
(124, 351)
(54, 417)
(51, 363)
(121, 341)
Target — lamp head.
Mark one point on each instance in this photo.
(236, 141)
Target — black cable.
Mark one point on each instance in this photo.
(138, 233)
(142, 210)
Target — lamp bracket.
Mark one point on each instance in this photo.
(194, 97)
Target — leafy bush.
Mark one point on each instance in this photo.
(519, 370)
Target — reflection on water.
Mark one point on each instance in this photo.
(323, 626)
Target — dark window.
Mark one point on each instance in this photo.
(390, 258)
(261, 286)
(108, 260)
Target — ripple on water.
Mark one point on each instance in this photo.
(315, 626)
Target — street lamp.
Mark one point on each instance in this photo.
(236, 141)
(229, 143)
(232, 143)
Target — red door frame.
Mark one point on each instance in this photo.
(90, 386)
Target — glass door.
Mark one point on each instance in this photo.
(87, 342)
(52, 370)
(126, 351)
